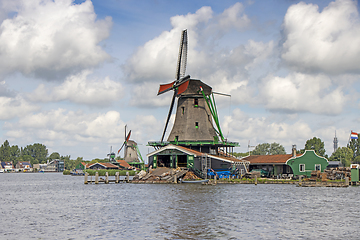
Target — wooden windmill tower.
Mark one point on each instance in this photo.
(131, 151)
(196, 110)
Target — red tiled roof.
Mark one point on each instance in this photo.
(123, 164)
(269, 159)
(109, 165)
(106, 165)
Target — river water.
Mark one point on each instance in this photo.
(54, 206)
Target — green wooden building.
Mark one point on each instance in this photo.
(306, 163)
(354, 172)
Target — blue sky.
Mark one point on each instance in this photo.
(73, 73)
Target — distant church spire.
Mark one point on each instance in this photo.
(335, 142)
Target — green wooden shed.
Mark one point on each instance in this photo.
(306, 163)
(354, 172)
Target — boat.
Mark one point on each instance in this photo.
(77, 172)
(195, 181)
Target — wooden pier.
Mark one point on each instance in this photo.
(106, 180)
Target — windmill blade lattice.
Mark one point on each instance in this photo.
(182, 58)
(181, 83)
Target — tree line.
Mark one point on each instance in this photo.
(38, 153)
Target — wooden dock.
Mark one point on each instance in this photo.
(106, 180)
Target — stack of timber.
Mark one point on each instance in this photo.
(191, 176)
(160, 175)
(326, 179)
(338, 173)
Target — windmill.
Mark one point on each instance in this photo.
(193, 130)
(194, 114)
(131, 150)
(111, 155)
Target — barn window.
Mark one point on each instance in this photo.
(302, 167)
(317, 167)
(196, 124)
(182, 110)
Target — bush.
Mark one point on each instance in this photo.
(66, 172)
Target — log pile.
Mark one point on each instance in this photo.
(191, 176)
(337, 173)
(160, 174)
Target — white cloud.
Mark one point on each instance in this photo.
(325, 41)
(233, 17)
(79, 89)
(243, 128)
(63, 125)
(50, 39)
(302, 93)
(79, 133)
(11, 107)
(225, 70)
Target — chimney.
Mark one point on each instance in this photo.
(294, 150)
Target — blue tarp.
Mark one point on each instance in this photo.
(222, 173)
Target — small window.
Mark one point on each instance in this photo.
(196, 124)
(196, 102)
(176, 138)
(317, 167)
(182, 110)
(302, 167)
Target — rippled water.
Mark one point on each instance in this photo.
(53, 206)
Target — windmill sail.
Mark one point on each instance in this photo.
(181, 82)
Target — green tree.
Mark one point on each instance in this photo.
(344, 155)
(276, 148)
(67, 162)
(5, 152)
(28, 158)
(54, 155)
(356, 159)
(354, 145)
(315, 144)
(268, 149)
(37, 151)
(14, 154)
(261, 149)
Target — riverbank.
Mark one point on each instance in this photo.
(336, 183)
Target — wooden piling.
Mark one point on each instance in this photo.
(86, 178)
(106, 177)
(127, 177)
(117, 177)
(255, 180)
(175, 179)
(347, 181)
(96, 178)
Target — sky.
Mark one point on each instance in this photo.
(74, 73)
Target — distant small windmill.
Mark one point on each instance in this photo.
(111, 155)
(131, 151)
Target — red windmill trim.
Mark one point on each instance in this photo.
(165, 87)
(182, 87)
